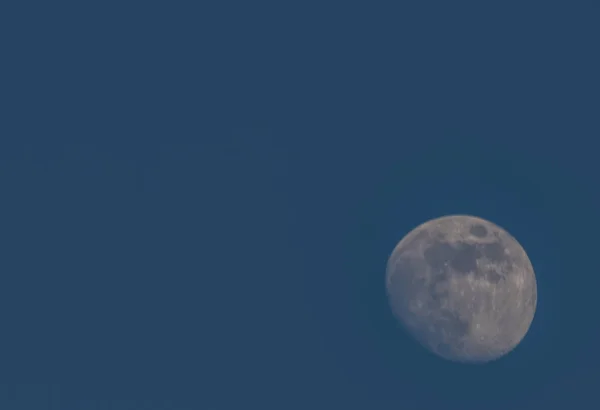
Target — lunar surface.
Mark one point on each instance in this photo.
(463, 287)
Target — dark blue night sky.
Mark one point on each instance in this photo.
(198, 202)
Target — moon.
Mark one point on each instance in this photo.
(463, 287)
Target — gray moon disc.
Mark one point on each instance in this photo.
(463, 287)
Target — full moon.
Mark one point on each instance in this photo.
(463, 287)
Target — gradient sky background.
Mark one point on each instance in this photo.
(197, 203)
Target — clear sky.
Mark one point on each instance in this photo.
(197, 204)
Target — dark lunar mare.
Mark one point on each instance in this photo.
(462, 258)
(478, 230)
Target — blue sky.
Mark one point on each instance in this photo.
(198, 203)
